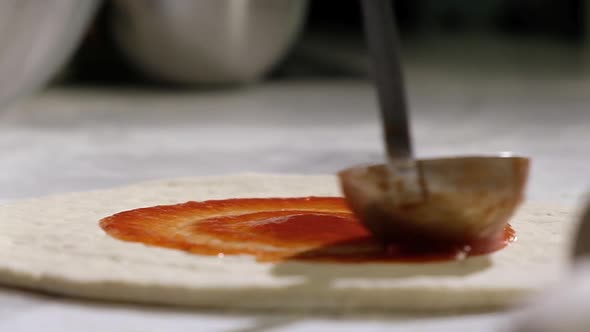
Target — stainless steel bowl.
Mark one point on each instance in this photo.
(36, 38)
(207, 41)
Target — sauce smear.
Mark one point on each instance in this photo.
(276, 229)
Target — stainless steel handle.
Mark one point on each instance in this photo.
(383, 47)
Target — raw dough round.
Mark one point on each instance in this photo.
(55, 244)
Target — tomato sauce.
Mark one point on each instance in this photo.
(277, 229)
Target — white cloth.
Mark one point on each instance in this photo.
(564, 309)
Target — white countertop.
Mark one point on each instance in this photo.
(81, 139)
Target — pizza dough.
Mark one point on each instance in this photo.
(55, 244)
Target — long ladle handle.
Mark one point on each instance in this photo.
(382, 40)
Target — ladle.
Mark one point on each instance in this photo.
(459, 199)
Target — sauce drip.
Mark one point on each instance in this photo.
(275, 229)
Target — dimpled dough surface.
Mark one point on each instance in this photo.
(55, 244)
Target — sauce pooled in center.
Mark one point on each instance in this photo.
(275, 229)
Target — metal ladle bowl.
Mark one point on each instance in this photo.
(464, 199)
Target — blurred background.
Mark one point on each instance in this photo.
(227, 44)
(100, 93)
(455, 35)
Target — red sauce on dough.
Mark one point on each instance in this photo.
(275, 229)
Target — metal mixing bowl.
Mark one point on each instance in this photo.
(36, 39)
